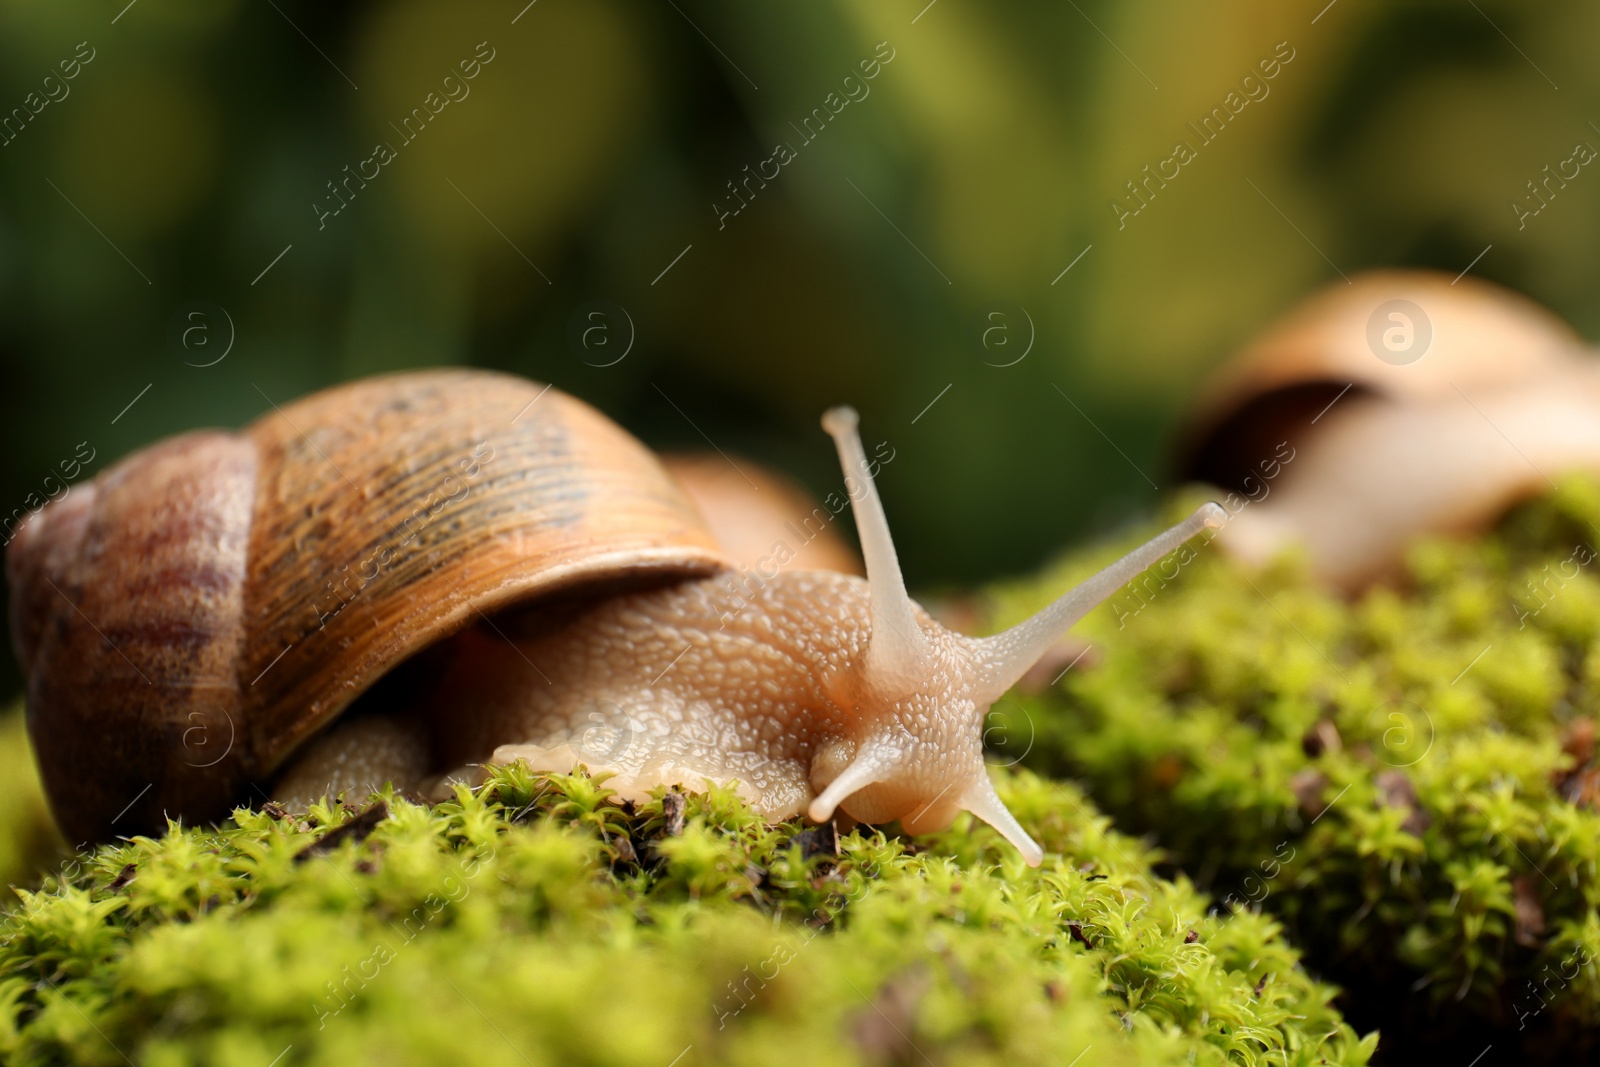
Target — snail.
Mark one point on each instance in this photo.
(515, 576)
(1352, 455)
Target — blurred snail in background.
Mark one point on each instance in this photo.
(497, 572)
(1398, 406)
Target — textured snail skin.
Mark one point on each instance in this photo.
(664, 687)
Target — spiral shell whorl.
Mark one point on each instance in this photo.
(189, 618)
(132, 591)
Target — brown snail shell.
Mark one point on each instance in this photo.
(193, 614)
(1380, 453)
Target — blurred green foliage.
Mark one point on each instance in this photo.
(29, 843)
(1409, 781)
(917, 242)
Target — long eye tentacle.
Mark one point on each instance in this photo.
(1011, 653)
(897, 647)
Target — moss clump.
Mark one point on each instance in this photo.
(538, 921)
(1407, 779)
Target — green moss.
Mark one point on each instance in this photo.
(536, 921)
(1393, 776)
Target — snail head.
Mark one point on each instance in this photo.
(915, 696)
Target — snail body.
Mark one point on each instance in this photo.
(565, 599)
(671, 686)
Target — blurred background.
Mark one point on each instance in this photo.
(197, 221)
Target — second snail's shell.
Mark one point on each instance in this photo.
(191, 616)
(1483, 337)
(1351, 450)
